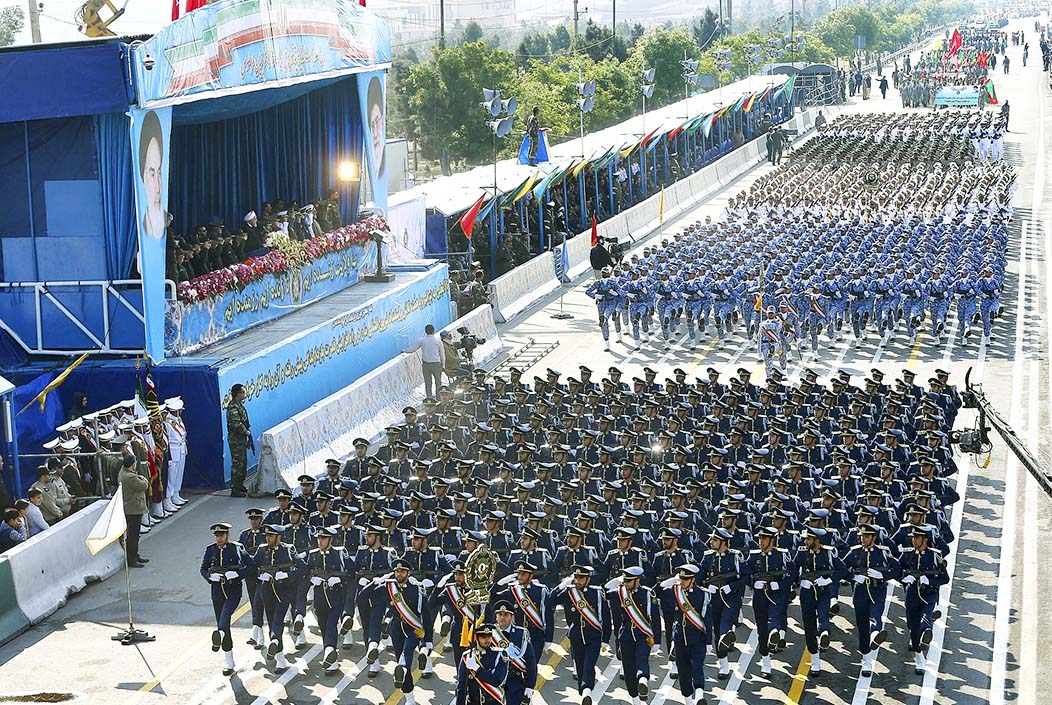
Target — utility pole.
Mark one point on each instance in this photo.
(442, 24)
(576, 19)
(613, 22)
(34, 20)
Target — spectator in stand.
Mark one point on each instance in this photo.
(11, 531)
(48, 505)
(5, 497)
(134, 486)
(34, 518)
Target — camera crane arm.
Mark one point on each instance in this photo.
(978, 441)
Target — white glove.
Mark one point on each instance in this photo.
(315, 580)
(924, 580)
(414, 446)
(774, 585)
(726, 589)
(806, 584)
(669, 582)
(281, 575)
(759, 585)
(302, 555)
(215, 577)
(362, 582)
(264, 577)
(909, 580)
(860, 579)
(822, 582)
(232, 575)
(428, 583)
(874, 573)
(711, 589)
(471, 662)
(334, 581)
(528, 694)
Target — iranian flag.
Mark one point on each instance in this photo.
(991, 94)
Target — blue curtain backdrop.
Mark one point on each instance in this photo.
(118, 202)
(288, 151)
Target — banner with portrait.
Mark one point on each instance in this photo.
(372, 98)
(151, 131)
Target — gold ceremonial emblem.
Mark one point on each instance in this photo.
(582, 604)
(480, 569)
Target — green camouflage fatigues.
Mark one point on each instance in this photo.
(238, 433)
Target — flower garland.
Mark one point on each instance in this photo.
(284, 255)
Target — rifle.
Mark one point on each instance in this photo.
(772, 576)
(931, 573)
(272, 569)
(813, 575)
(721, 579)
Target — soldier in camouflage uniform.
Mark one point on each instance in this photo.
(239, 437)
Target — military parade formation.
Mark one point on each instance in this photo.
(658, 514)
(848, 236)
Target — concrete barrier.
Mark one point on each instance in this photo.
(514, 292)
(578, 249)
(13, 620)
(55, 564)
(363, 409)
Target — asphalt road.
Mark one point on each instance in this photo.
(992, 645)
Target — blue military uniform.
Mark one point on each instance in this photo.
(224, 567)
(637, 618)
(330, 571)
(819, 571)
(870, 569)
(251, 539)
(772, 577)
(277, 569)
(689, 637)
(482, 674)
(522, 658)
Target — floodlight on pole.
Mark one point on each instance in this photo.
(585, 102)
(502, 109)
(690, 78)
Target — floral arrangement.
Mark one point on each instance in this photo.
(285, 254)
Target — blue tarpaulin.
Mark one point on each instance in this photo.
(80, 79)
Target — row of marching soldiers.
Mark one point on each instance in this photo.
(721, 496)
(696, 608)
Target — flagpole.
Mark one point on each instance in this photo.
(131, 635)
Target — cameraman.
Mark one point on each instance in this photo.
(468, 342)
(599, 258)
(452, 365)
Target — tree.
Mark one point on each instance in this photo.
(705, 29)
(12, 19)
(835, 32)
(444, 96)
(472, 32)
(600, 43)
(662, 50)
(533, 46)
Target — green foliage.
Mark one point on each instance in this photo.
(662, 49)
(12, 19)
(472, 32)
(444, 96)
(600, 43)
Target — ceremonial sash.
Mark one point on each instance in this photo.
(494, 691)
(403, 609)
(634, 613)
(460, 603)
(817, 308)
(580, 603)
(514, 657)
(771, 335)
(689, 613)
(532, 612)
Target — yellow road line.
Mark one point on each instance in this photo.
(557, 656)
(916, 349)
(701, 356)
(397, 694)
(238, 614)
(799, 680)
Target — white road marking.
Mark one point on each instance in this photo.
(1028, 665)
(1002, 618)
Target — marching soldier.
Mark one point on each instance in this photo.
(407, 601)
(224, 565)
(923, 572)
(724, 573)
(819, 569)
(300, 535)
(277, 567)
(251, 539)
(482, 671)
(330, 571)
(871, 566)
(458, 616)
(531, 600)
(522, 659)
(771, 569)
(371, 564)
(689, 634)
(637, 618)
(587, 624)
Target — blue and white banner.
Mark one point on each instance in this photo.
(372, 97)
(229, 44)
(151, 131)
(407, 219)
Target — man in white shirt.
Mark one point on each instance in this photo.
(33, 518)
(434, 359)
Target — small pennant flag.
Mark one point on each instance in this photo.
(110, 525)
(467, 221)
(661, 207)
(54, 384)
(595, 231)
